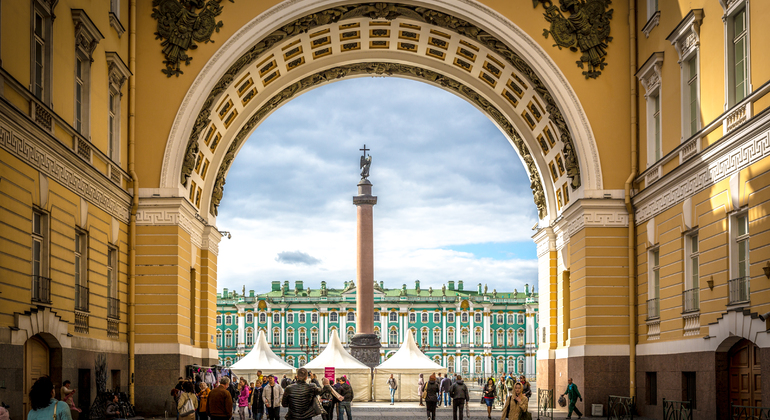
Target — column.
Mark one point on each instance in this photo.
(343, 325)
(471, 332)
(241, 328)
(384, 326)
(458, 333)
(269, 332)
(443, 329)
(283, 328)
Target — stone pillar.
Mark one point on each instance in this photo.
(365, 346)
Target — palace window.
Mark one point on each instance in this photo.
(351, 333)
(228, 339)
(500, 338)
(650, 77)
(477, 339)
(424, 337)
(450, 361)
(437, 359)
(87, 36)
(41, 287)
(249, 337)
(521, 319)
(351, 317)
(477, 317)
(112, 283)
(464, 365)
(290, 318)
(511, 365)
(290, 360)
(377, 333)
(520, 337)
(41, 42)
(290, 337)
(302, 318)
(437, 337)
(80, 92)
(653, 287)
(436, 317)
(450, 317)
(228, 361)
(412, 318)
(500, 365)
(691, 297)
(686, 40)
(302, 337)
(424, 318)
(219, 338)
(500, 319)
(81, 270)
(249, 318)
(393, 337)
(393, 317)
(464, 318)
(262, 318)
(511, 319)
(333, 317)
(691, 94)
(228, 319)
(276, 317)
(737, 27)
(479, 368)
(276, 336)
(219, 319)
(450, 336)
(521, 366)
(739, 258)
(302, 360)
(376, 316)
(511, 343)
(314, 317)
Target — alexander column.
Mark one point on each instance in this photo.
(365, 346)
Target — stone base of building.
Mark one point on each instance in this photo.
(156, 375)
(366, 348)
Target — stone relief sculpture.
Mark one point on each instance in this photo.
(180, 26)
(587, 29)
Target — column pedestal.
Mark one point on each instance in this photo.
(366, 348)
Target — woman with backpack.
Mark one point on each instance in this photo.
(393, 386)
(431, 395)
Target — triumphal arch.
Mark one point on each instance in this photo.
(119, 122)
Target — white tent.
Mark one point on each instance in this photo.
(261, 357)
(335, 355)
(406, 365)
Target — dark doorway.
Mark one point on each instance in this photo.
(84, 392)
(115, 380)
(745, 375)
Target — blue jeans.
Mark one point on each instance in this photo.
(447, 399)
(344, 406)
(392, 395)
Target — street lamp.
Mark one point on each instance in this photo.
(310, 350)
(225, 233)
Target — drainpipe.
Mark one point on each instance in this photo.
(135, 199)
(629, 206)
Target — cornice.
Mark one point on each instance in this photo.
(595, 213)
(686, 36)
(171, 211)
(649, 74)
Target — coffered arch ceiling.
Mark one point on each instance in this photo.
(499, 70)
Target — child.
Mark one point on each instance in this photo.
(67, 395)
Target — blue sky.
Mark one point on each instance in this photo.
(453, 198)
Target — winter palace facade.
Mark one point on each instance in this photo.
(472, 332)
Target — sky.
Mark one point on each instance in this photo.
(453, 197)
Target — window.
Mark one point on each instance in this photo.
(500, 338)
(479, 368)
(521, 319)
(376, 316)
(465, 336)
(436, 317)
(412, 318)
(437, 337)
(249, 337)
(500, 319)
(79, 93)
(219, 338)
(290, 318)
(739, 258)
(742, 245)
(112, 283)
(351, 333)
(688, 389)
(500, 365)
(302, 360)
(41, 42)
(450, 368)
(693, 110)
(276, 336)
(113, 139)
(314, 317)
(464, 318)
(511, 365)
(81, 270)
(302, 318)
(650, 77)
(651, 385)
(351, 317)
(543, 336)
(333, 317)
(424, 318)
(691, 298)
(520, 366)
(450, 317)
(656, 147)
(115, 7)
(393, 337)
(520, 337)
(477, 317)
(290, 337)
(249, 318)
(450, 336)
(424, 337)
(228, 320)
(377, 333)
(118, 74)
(228, 361)
(262, 318)
(228, 339)
(738, 50)
(510, 343)
(314, 337)
(510, 319)
(41, 284)
(219, 319)
(464, 365)
(652, 7)
(302, 337)
(87, 36)
(290, 360)
(477, 339)
(276, 318)
(393, 317)
(653, 285)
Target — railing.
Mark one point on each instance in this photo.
(653, 308)
(544, 403)
(81, 298)
(41, 289)
(677, 410)
(744, 412)
(113, 304)
(620, 408)
(691, 300)
(738, 290)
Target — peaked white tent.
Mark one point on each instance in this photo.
(261, 357)
(335, 355)
(406, 365)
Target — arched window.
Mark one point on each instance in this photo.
(478, 368)
(393, 337)
(302, 361)
(412, 317)
(314, 337)
(424, 337)
(437, 359)
(219, 319)
(394, 317)
(510, 339)
(276, 317)
(511, 365)
(351, 333)
(500, 319)
(450, 361)
(276, 337)
(450, 317)
(302, 318)
(290, 360)
(437, 337)
(450, 336)
(520, 337)
(219, 338)
(314, 317)
(500, 338)
(249, 318)
(500, 365)
(262, 318)
(477, 339)
(464, 366)
(377, 333)
(333, 317)
(290, 318)
(464, 318)
(351, 317)
(477, 317)
(465, 336)
(228, 339)
(228, 361)
(510, 319)
(521, 319)
(376, 317)
(424, 318)
(436, 317)
(228, 320)
(249, 337)
(290, 337)
(302, 337)
(521, 366)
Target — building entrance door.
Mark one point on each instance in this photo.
(745, 378)
(36, 364)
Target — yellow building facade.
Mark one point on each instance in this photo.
(642, 125)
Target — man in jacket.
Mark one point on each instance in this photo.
(459, 395)
(346, 391)
(446, 385)
(285, 382)
(298, 398)
(573, 394)
(271, 396)
(220, 402)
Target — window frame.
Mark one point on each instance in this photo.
(692, 267)
(45, 38)
(412, 317)
(249, 337)
(302, 318)
(87, 36)
(290, 337)
(437, 317)
(276, 336)
(437, 337)
(118, 74)
(393, 316)
(686, 40)
(219, 319)
(249, 317)
(477, 317)
(478, 337)
(393, 337)
(289, 317)
(276, 317)
(351, 316)
(653, 277)
(450, 336)
(424, 317)
(450, 317)
(314, 317)
(735, 9)
(228, 319)
(335, 316)
(650, 77)
(464, 318)
(736, 238)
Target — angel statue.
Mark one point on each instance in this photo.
(366, 162)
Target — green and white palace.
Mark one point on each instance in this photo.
(472, 332)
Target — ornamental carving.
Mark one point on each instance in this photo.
(181, 25)
(586, 29)
(381, 69)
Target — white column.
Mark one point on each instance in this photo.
(241, 329)
(486, 317)
(487, 366)
(443, 330)
(458, 333)
(471, 332)
(343, 325)
(384, 326)
(269, 332)
(283, 327)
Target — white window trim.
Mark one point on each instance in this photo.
(87, 37)
(45, 10)
(652, 291)
(115, 17)
(731, 7)
(734, 237)
(691, 254)
(118, 73)
(649, 76)
(653, 17)
(686, 40)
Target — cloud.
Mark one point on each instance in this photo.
(296, 257)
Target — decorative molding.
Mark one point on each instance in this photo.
(737, 116)
(690, 148)
(595, 213)
(736, 324)
(691, 324)
(586, 29)
(66, 171)
(651, 23)
(87, 35)
(118, 70)
(686, 36)
(729, 5)
(649, 74)
(115, 23)
(40, 320)
(724, 158)
(172, 211)
(653, 330)
(653, 175)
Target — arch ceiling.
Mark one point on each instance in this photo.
(519, 89)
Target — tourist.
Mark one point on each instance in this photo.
(251, 395)
(220, 404)
(432, 396)
(503, 391)
(203, 399)
(329, 397)
(259, 376)
(420, 388)
(573, 394)
(440, 393)
(346, 391)
(187, 404)
(459, 394)
(314, 380)
(67, 395)
(489, 396)
(516, 405)
(526, 388)
(44, 406)
(243, 399)
(257, 403)
(298, 398)
(113, 412)
(446, 384)
(271, 396)
(285, 382)
(393, 386)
